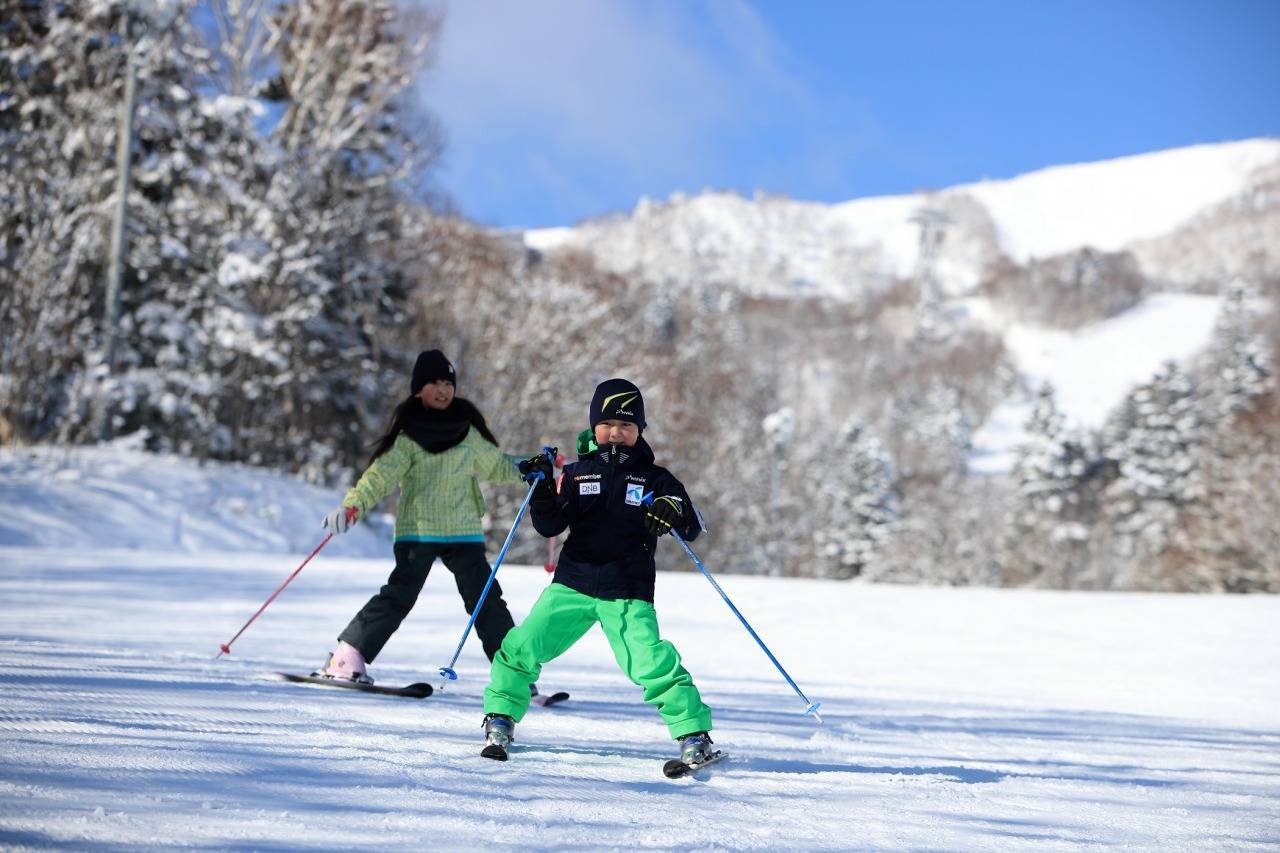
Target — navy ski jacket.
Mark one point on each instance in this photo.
(609, 554)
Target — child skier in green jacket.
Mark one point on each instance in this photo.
(435, 451)
(605, 575)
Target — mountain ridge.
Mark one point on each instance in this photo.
(770, 246)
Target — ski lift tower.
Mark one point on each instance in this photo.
(933, 224)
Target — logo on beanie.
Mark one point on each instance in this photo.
(622, 406)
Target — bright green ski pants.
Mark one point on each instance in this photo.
(560, 617)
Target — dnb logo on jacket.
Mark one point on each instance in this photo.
(588, 484)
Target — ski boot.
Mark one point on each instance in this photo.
(499, 732)
(695, 751)
(345, 664)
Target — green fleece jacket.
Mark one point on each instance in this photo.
(440, 498)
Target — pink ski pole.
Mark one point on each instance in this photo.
(226, 647)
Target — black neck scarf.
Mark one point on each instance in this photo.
(437, 430)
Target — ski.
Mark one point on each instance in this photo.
(494, 751)
(546, 700)
(675, 768)
(421, 690)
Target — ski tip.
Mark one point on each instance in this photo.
(546, 700)
(675, 768)
(420, 689)
(495, 752)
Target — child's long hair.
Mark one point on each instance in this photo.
(383, 444)
(401, 413)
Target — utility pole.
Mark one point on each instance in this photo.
(120, 219)
(933, 223)
(120, 224)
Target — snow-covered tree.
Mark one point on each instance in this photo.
(1230, 539)
(929, 432)
(1053, 477)
(58, 101)
(1153, 442)
(947, 533)
(1237, 364)
(855, 506)
(263, 301)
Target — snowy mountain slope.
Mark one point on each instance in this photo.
(779, 247)
(115, 497)
(1091, 369)
(1113, 204)
(958, 719)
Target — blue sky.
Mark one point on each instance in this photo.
(561, 110)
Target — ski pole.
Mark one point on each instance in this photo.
(447, 671)
(813, 707)
(550, 565)
(226, 647)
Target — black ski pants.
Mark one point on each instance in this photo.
(382, 615)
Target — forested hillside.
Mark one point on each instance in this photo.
(816, 382)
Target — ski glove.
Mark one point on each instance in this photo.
(663, 514)
(533, 465)
(341, 519)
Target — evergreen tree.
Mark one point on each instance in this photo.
(1153, 443)
(60, 68)
(856, 507)
(1237, 363)
(1054, 509)
(930, 434)
(1229, 541)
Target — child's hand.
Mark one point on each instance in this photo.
(341, 519)
(532, 466)
(663, 514)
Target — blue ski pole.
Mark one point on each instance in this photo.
(813, 707)
(447, 671)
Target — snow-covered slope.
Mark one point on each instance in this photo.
(956, 719)
(1113, 204)
(116, 497)
(779, 247)
(1091, 369)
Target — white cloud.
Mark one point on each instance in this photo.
(569, 93)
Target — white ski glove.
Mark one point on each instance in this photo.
(341, 519)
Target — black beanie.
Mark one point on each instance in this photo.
(431, 366)
(617, 400)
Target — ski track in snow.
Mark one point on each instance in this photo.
(954, 718)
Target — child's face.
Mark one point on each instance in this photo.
(617, 432)
(437, 395)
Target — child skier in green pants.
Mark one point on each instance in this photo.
(605, 575)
